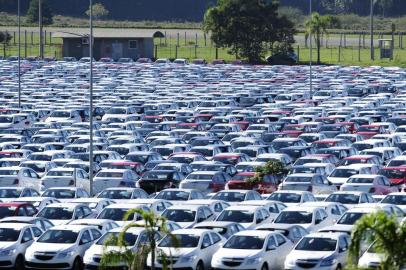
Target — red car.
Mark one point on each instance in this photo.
(367, 131)
(296, 130)
(240, 181)
(129, 165)
(17, 209)
(231, 158)
(397, 175)
(357, 159)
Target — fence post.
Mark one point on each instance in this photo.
(32, 38)
(166, 44)
(176, 52)
(195, 51)
(196, 39)
(298, 53)
(345, 40)
(341, 39)
(45, 37)
(25, 43)
(177, 43)
(363, 40)
(14, 38)
(359, 49)
(217, 53)
(185, 39)
(50, 38)
(205, 41)
(339, 53)
(156, 51)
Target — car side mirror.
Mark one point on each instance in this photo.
(200, 219)
(318, 221)
(344, 249)
(25, 240)
(259, 220)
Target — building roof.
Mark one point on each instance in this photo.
(109, 33)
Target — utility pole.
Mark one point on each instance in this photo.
(19, 54)
(41, 48)
(371, 17)
(311, 52)
(91, 100)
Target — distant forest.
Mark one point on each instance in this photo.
(193, 10)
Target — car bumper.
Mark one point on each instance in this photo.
(6, 263)
(221, 266)
(97, 267)
(296, 267)
(42, 265)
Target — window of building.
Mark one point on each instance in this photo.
(132, 44)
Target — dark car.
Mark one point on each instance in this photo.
(17, 209)
(155, 181)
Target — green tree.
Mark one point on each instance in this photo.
(33, 12)
(337, 6)
(248, 27)
(122, 254)
(99, 11)
(272, 167)
(317, 26)
(5, 38)
(384, 5)
(388, 236)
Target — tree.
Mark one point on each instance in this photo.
(388, 236)
(248, 27)
(123, 254)
(33, 12)
(99, 11)
(337, 6)
(272, 167)
(317, 26)
(384, 5)
(5, 38)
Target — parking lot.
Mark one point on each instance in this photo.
(184, 141)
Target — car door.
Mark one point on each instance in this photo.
(207, 249)
(343, 245)
(284, 247)
(27, 238)
(85, 242)
(271, 253)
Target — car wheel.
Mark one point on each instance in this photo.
(19, 264)
(77, 264)
(200, 266)
(338, 267)
(264, 267)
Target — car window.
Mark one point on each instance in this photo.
(21, 212)
(335, 210)
(342, 245)
(143, 239)
(30, 210)
(86, 238)
(79, 213)
(86, 210)
(280, 240)
(207, 212)
(206, 241)
(271, 243)
(96, 234)
(215, 238)
(218, 207)
(26, 173)
(37, 232)
(27, 236)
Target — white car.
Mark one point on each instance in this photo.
(118, 211)
(63, 213)
(104, 225)
(156, 205)
(65, 194)
(310, 218)
(67, 116)
(397, 198)
(37, 202)
(188, 215)
(341, 174)
(108, 178)
(257, 250)
(19, 177)
(134, 237)
(194, 249)
(291, 197)
(15, 238)
(370, 258)
(248, 216)
(321, 251)
(96, 204)
(65, 177)
(62, 247)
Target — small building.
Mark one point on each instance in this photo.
(112, 43)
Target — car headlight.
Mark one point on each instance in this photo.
(329, 261)
(290, 262)
(7, 252)
(253, 260)
(187, 259)
(66, 253)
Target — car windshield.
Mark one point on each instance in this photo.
(116, 214)
(9, 234)
(317, 244)
(8, 172)
(6, 119)
(285, 197)
(236, 216)
(10, 193)
(229, 196)
(60, 114)
(173, 195)
(115, 194)
(156, 176)
(395, 199)
(343, 173)
(395, 174)
(306, 160)
(200, 177)
(38, 167)
(59, 237)
(59, 213)
(350, 218)
(183, 241)
(59, 193)
(245, 242)
(294, 217)
(60, 173)
(111, 239)
(110, 174)
(360, 180)
(300, 179)
(7, 211)
(179, 215)
(343, 198)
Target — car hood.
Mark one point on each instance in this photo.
(59, 221)
(5, 125)
(7, 245)
(186, 225)
(337, 180)
(175, 252)
(309, 255)
(237, 253)
(47, 247)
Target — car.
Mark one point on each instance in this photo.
(155, 205)
(253, 249)
(205, 181)
(117, 212)
(155, 181)
(15, 238)
(237, 195)
(194, 248)
(321, 251)
(63, 213)
(291, 231)
(12, 193)
(371, 258)
(118, 194)
(396, 198)
(311, 218)
(19, 177)
(374, 184)
(107, 178)
(42, 223)
(291, 198)
(65, 194)
(350, 198)
(63, 177)
(135, 238)
(95, 204)
(61, 247)
(37, 202)
(224, 228)
(17, 209)
(241, 180)
(178, 196)
(215, 205)
(103, 225)
(188, 215)
(248, 216)
(315, 183)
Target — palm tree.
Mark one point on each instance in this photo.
(388, 236)
(317, 26)
(153, 224)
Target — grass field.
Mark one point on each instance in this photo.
(166, 48)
